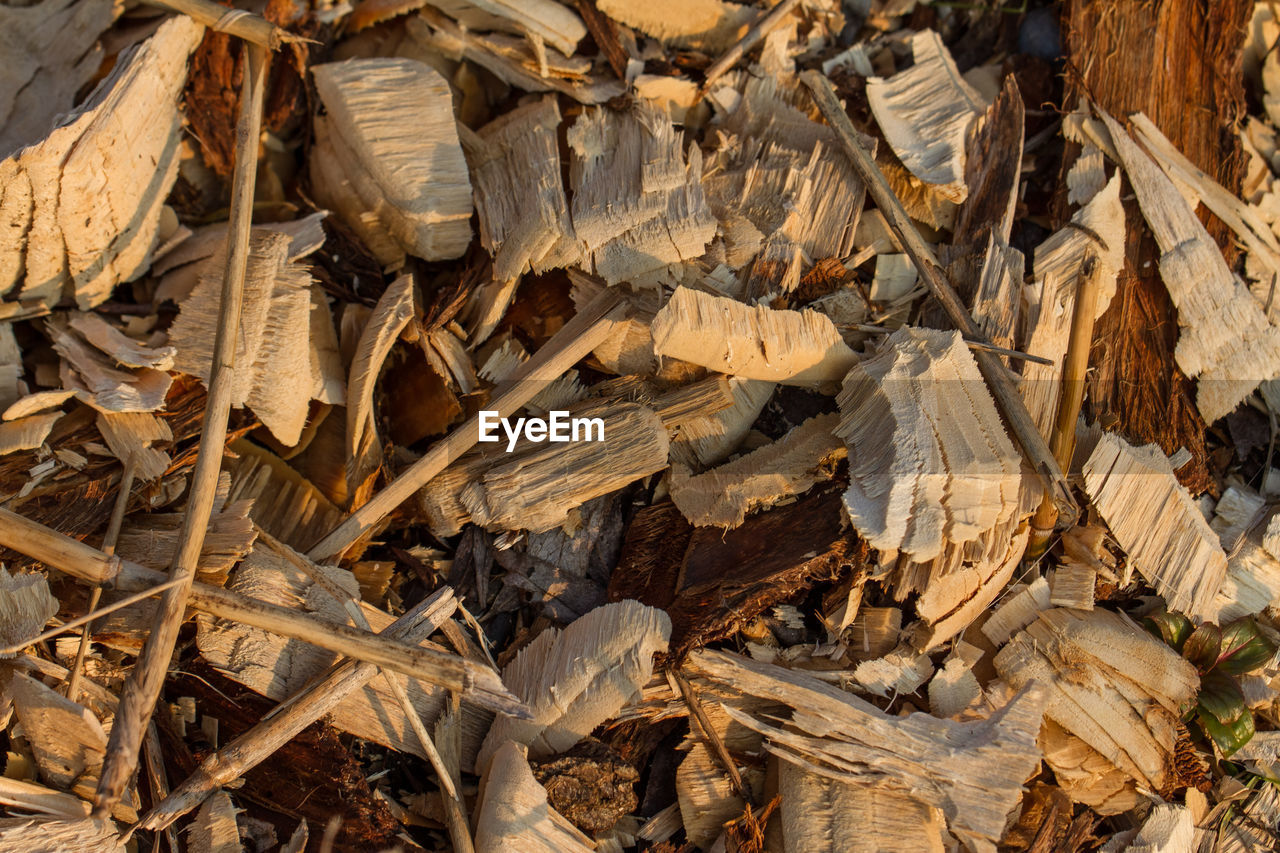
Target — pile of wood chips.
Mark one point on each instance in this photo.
(934, 499)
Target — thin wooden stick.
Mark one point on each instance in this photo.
(108, 548)
(85, 620)
(151, 759)
(1033, 445)
(764, 25)
(1011, 353)
(1075, 367)
(143, 687)
(260, 742)
(713, 739)
(475, 682)
(237, 22)
(588, 329)
(455, 811)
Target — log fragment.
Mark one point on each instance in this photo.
(1124, 55)
(388, 161)
(1157, 524)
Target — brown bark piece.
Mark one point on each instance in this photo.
(722, 580)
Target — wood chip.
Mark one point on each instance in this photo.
(1224, 339)
(834, 734)
(524, 215)
(790, 347)
(710, 25)
(214, 829)
(821, 813)
(575, 679)
(276, 380)
(80, 209)
(930, 461)
(26, 606)
(723, 496)
(514, 813)
(637, 205)
(1096, 229)
(925, 113)
(1157, 524)
(1112, 686)
(388, 160)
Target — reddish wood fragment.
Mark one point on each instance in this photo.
(1179, 62)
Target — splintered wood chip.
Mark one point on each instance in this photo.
(575, 679)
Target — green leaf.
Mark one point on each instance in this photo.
(1172, 627)
(1244, 647)
(1228, 736)
(1221, 697)
(1203, 646)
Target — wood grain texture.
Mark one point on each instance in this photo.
(1179, 62)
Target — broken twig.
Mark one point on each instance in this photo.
(143, 686)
